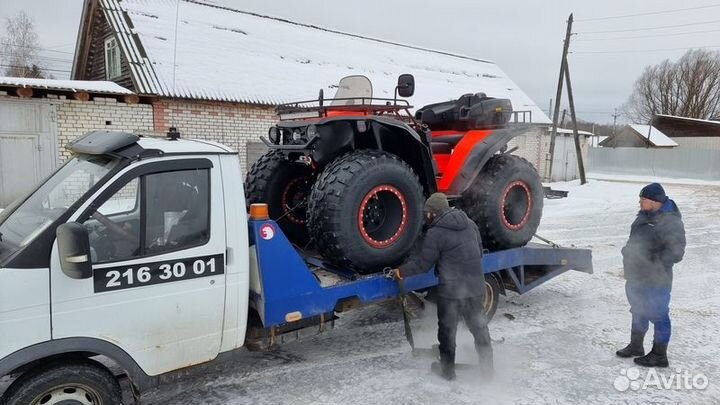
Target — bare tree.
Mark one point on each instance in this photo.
(19, 47)
(689, 87)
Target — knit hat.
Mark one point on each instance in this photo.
(437, 203)
(655, 192)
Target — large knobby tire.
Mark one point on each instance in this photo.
(365, 210)
(285, 186)
(505, 201)
(82, 381)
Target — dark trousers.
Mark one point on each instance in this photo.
(471, 310)
(650, 304)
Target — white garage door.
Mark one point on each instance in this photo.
(27, 146)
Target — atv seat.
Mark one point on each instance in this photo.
(445, 143)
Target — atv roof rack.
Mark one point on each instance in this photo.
(318, 108)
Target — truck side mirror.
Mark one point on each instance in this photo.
(406, 85)
(74, 249)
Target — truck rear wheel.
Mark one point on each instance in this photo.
(492, 295)
(366, 210)
(505, 201)
(83, 382)
(285, 186)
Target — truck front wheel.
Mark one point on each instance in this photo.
(81, 382)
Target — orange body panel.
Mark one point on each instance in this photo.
(449, 165)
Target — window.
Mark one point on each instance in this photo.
(113, 67)
(152, 214)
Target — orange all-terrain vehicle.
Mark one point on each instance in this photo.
(349, 175)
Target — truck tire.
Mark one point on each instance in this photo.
(82, 382)
(492, 295)
(491, 298)
(284, 186)
(366, 210)
(505, 200)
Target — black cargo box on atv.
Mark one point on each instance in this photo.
(470, 111)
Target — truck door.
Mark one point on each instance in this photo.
(157, 241)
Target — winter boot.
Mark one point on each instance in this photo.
(444, 370)
(485, 355)
(656, 358)
(635, 348)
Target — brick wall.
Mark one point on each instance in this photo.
(531, 146)
(232, 124)
(75, 118)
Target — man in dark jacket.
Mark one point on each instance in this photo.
(452, 244)
(657, 241)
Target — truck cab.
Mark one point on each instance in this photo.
(161, 287)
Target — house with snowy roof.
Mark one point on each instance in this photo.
(638, 136)
(690, 133)
(217, 73)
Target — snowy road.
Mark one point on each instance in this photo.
(557, 349)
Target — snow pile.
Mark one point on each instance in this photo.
(229, 55)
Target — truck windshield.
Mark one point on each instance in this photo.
(353, 90)
(24, 220)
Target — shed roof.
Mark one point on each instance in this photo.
(74, 86)
(653, 135)
(226, 54)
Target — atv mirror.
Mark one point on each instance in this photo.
(321, 97)
(406, 85)
(74, 249)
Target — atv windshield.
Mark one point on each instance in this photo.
(25, 219)
(353, 90)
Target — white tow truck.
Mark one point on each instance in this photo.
(142, 251)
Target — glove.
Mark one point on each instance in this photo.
(392, 273)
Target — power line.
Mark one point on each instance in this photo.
(645, 50)
(42, 69)
(652, 28)
(649, 13)
(42, 58)
(37, 48)
(645, 36)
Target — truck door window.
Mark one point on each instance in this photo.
(152, 214)
(178, 210)
(115, 226)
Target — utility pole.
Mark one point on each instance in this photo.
(615, 115)
(562, 120)
(576, 136)
(550, 108)
(558, 96)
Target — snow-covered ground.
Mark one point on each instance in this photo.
(554, 345)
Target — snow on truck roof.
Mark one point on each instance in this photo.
(126, 144)
(225, 54)
(183, 145)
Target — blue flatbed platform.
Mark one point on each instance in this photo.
(291, 289)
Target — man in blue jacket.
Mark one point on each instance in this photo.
(452, 244)
(656, 243)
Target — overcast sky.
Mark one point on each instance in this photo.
(523, 37)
